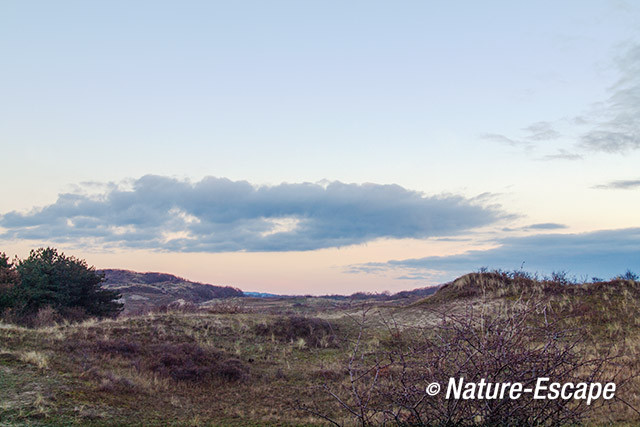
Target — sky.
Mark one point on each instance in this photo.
(323, 146)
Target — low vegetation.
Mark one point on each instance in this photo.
(318, 361)
(305, 331)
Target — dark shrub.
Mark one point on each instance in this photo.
(183, 362)
(190, 362)
(316, 332)
(629, 275)
(118, 347)
(232, 370)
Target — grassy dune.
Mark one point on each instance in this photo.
(277, 361)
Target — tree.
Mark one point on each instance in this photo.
(49, 278)
(9, 279)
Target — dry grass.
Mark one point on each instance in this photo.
(254, 362)
(35, 358)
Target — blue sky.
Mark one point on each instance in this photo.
(340, 135)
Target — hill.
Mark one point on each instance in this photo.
(144, 291)
(505, 285)
(286, 361)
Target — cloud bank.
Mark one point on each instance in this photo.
(533, 134)
(220, 215)
(620, 185)
(619, 132)
(612, 125)
(601, 253)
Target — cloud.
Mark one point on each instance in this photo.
(496, 137)
(613, 141)
(546, 226)
(619, 130)
(541, 131)
(220, 215)
(619, 185)
(612, 125)
(534, 133)
(602, 253)
(562, 154)
(420, 277)
(539, 226)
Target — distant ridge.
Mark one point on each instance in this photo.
(151, 290)
(143, 291)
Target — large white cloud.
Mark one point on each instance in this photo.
(219, 215)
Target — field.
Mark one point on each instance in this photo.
(316, 361)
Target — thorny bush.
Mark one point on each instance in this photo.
(386, 383)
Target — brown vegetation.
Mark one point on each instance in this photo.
(282, 360)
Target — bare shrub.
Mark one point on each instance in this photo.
(562, 277)
(112, 383)
(315, 332)
(227, 307)
(74, 314)
(46, 316)
(386, 384)
(182, 306)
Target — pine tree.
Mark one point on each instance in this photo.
(9, 279)
(49, 278)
